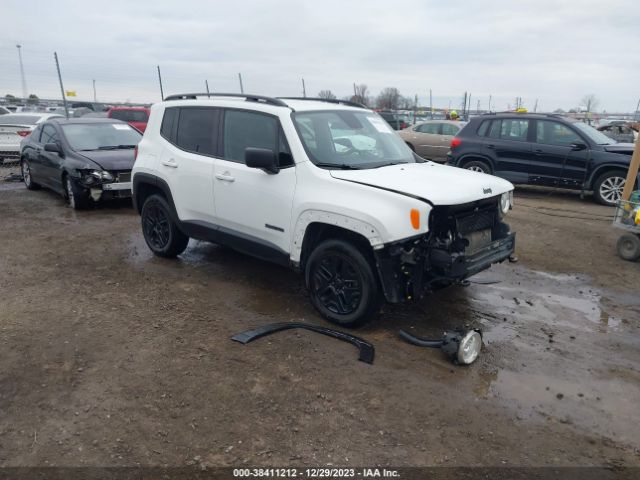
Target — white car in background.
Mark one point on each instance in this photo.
(14, 127)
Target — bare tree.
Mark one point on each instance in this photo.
(389, 98)
(361, 94)
(326, 94)
(590, 102)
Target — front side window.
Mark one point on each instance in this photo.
(100, 136)
(49, 135)
(196, 130)
(597, 137)
(555, 133)
(243, 129)
(350, 139)
(433, 128)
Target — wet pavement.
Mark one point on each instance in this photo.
(111, 356)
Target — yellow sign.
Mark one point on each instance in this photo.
(70, 93)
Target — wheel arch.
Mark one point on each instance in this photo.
(145, 185)
(474, 157)
(601, 170)
(314, 227)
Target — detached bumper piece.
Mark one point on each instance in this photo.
(367, 351)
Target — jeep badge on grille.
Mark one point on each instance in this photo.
(486, 190)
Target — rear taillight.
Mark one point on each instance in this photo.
(23, 133)
(455, 142)
(135, 153)
(403, 125)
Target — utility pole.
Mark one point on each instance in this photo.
(535, 106)
(478, 107)
(64, 97)
(95, 99)
(415, 107)
(160, 80)
(489, 108)
(206, 84)
(431, 104)
(24, 80)
(304, 89)
(469, 109)
(240, 80)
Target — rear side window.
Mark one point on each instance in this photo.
(196, 130)
(449, 129)
(433, 128)
(168, 122)
(244, 129)
(484, 126)
(510, 129)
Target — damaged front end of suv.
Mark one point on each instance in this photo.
(461, 241)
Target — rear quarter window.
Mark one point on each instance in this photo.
(482, 129)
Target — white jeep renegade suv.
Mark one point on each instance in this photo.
(324, 186)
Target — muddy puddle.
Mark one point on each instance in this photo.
(560, 351)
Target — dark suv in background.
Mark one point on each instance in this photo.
(546, 150)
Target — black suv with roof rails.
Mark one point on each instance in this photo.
(545, 150)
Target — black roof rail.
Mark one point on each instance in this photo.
(328, 100)
(247, 97)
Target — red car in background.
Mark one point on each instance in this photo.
(137, 117)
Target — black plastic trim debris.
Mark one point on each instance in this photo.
(367, 351)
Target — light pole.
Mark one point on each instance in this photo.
(24, 81)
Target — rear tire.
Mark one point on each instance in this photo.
(477, 166)
(162, 235)
(629, 247)
(26, 175)
(607, 189)
(342, 284)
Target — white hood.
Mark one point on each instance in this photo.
(439, 184)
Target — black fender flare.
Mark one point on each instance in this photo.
(367, 351)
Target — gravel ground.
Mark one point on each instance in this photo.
(111, 357)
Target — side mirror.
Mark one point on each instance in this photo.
(578, 146)
(262, 158)
(53, 147)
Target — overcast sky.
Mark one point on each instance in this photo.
(555, 51)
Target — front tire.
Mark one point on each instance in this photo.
(629, 247)
(477, 166)
(162, 235)
(607, 189)
(78, 197)
(342, 284)
(26, 175)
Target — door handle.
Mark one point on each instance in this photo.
(170, 163)
(491, 146)
(225, 177)
(538, 151)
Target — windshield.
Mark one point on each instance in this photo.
(130, 115)
(347, 139)
(598, 137)
(100, 136)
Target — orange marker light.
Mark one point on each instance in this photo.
(415, 218)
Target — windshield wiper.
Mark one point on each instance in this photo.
(116, 147)
(388, 164)
(338, 166)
